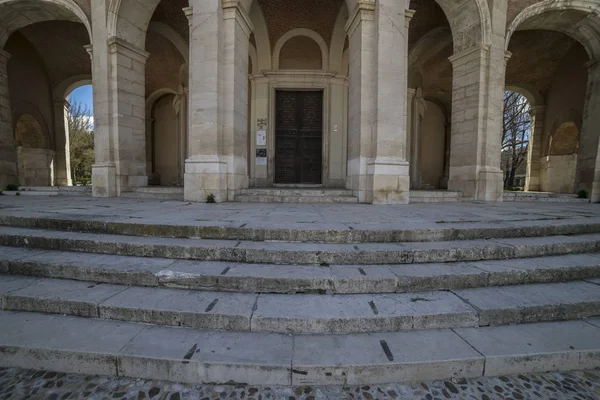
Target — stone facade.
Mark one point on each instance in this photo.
(185, 92)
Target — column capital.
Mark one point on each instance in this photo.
(408, 16)
(120, 46)
(474, 53)
(232, 9)
(90, 49)
(363, 11)
(189, 13)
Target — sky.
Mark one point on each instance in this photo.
(82, 95)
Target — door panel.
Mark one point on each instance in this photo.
(298, 137)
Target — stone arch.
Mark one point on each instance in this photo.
(261, 36)
(171, 35)
(28, 12)
(581, 23)
(306, 33)
(533, 96)
(26, 108)
(253, 57)
(247, 4)
(470, 22)
(338, 40)
(63, 89)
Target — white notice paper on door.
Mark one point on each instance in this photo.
(261, 138)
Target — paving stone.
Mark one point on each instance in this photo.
(526, 348)
(341, 314)
(533, 303)
(189, 308)
(370, 359)
(60, 297)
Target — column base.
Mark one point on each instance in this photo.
(203, 177)
(104, 180)
(8, 165)
(388, 181)
(479, 183)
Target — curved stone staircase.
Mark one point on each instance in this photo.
(277, 306)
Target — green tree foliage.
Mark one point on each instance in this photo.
(81, 143)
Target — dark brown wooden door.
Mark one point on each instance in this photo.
(298, 137)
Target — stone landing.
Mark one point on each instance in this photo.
(296, 195)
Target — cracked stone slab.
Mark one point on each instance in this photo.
(556, 346)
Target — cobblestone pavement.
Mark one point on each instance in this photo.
(18, 384)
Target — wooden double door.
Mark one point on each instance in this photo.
(299, 137)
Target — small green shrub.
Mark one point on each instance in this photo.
(17, 194)
(582, 194)
(211, 198)
(12, 188)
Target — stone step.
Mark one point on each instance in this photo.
(260, 198)
(51, 191)
(300, 253)
(155, 192)
(304, 192)
(285, 231)
(434, 196)
(303, 313)
(103, 347)
(268, 278)
(543, 197)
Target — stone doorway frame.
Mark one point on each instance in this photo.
(298, 80)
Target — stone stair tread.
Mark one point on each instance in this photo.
(95, 346)
(269, 278)
(283, 226)
(300, 253)
(303, 313)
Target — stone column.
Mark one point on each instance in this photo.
(218, 105)
(589, 137)
(418, 107)
(388, 179)
(361, 96)
(104, 169)
(62, 166)
(477, 104)
(234, 105)
(128, 124)
(8, 151)
(180, 106)
(534, 152)
(410, 131)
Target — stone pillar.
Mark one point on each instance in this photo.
(62, 166)
(217, 143)
(477, 104)
(388, 179)
(534, 152)
(589, 137)
(236, 33)
(128, 124)
(8, 151)
(418, 107)
(410, 131)
(361, 96)
(103, 170)
(180, 106)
